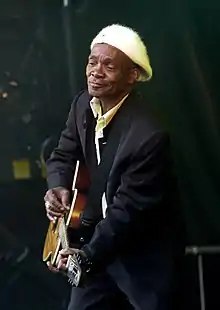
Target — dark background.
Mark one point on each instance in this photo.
(44, 48)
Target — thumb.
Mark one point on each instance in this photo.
(65, 199)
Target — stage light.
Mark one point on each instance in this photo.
(4, 95)
(13, 83)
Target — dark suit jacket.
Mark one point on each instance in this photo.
(142, 222)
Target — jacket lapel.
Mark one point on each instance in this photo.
(89, 146)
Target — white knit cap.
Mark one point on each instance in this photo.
(129, 42)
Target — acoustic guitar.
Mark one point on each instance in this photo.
(59, 232)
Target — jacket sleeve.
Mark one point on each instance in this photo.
(142, 189)
(60, 166)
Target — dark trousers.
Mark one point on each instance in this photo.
(116, 290)
(100, 294)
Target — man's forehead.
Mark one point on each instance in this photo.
(108, 52)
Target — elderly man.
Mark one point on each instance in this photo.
(134, 250)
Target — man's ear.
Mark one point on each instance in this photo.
(134, 75)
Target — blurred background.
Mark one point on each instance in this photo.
(44, 46)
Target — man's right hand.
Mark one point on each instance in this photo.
(57, 202)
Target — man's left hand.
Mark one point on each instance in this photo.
(62, 260)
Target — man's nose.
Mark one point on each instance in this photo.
(98, 71)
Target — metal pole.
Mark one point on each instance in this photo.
(69, 46)
(199, 251)
(201, 282)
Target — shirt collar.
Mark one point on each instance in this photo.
(97, 109)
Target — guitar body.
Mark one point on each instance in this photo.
(57, 234)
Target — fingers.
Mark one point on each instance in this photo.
(62, 260)
(53, 200)
(56, 202)
(67, 252)
(52, 268)
(65, 199)
(51, 218)
(53, 213)
(62, 264)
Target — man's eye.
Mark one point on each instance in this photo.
(109, 67)
(92, 62)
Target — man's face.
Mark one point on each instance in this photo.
(109, 72)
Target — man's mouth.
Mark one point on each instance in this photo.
(96, 85)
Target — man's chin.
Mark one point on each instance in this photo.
(99, 92)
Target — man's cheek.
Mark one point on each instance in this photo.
(88, 71)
